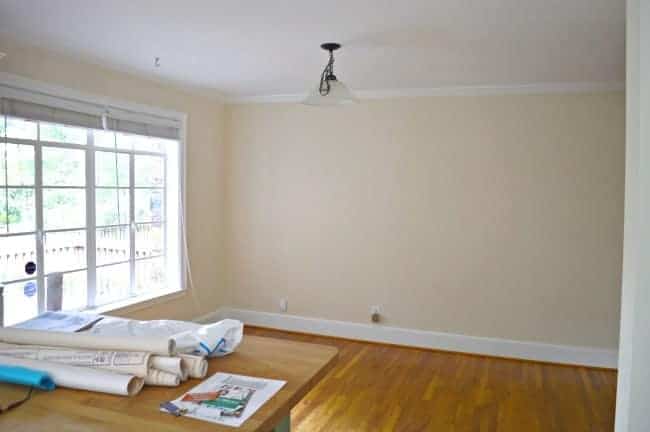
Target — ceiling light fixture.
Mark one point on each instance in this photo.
(330, 91)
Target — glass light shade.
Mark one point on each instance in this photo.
(339, 95)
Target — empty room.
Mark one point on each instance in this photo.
(363, 215)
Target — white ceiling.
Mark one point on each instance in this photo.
(264, 47)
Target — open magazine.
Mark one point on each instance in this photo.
(225, 399)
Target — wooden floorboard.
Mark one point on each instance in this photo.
(378, 387)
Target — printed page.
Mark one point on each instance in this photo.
(264, 389)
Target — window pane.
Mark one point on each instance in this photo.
(75, 294)
(149, 171)
(112, 206)
(64, 167)
(103, 138)
(20, 302)
(3, 166)
(20, 164)
(149, 240)
(153, 144)
(64, 251)
(3, 128)
(150, 276)
(15, 252)
(111, 169)
(63, 134)
(22, 210)
(112, 245)
(148, 205)
(18, 128)
(3, 212)
(112, 283)
(133, 142)
(64, 208)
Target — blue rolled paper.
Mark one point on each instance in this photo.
(24, 376)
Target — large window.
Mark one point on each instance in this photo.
(98, 206)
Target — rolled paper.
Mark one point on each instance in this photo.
(216, 339)
(126, 362)
(197, 366)
(81, 378)
(185, 374)
(157, 377)
(26, 376)
(173, 365)
(84, 340)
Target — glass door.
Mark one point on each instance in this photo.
(19, 259)
(63, 194)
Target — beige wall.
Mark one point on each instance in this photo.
(492, 216)
(204, 160)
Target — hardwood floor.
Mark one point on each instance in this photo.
(386, 388)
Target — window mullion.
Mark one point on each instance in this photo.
(163, 225)
(38, 198)
(91, 232)
(132, 226)
(6, 178)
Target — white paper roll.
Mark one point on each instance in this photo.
(197, 366)
(173, 365)
(82, 378)
(157, 377)
(157, 345)
(125, 362)
(216, 339)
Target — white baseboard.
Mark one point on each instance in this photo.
(565, 354)
(210, 317)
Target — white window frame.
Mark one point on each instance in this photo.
(16, 87)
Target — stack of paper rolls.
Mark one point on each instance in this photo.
(110, 364)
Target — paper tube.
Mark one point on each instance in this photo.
(82, 378)
(197, 366)
(157, 345)
(172, 365)
(157, 377)
(125, 362)
(26, 377)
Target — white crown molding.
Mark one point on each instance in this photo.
(564, 354)
(478, 90)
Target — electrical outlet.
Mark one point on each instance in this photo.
(375, 313)
(284, 304)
